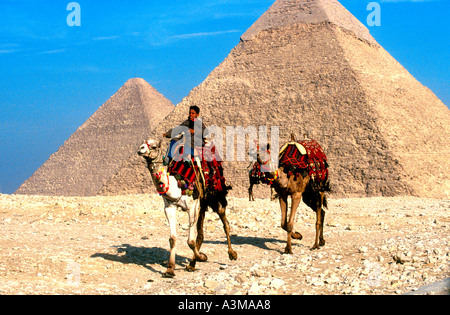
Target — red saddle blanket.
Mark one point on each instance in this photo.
(306, 157)
(211, 170)
(258, 175)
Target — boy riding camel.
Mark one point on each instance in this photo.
(193, 129)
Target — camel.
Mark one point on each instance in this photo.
(260, 171)
(299, 186)
(167, 186)
(254, 180)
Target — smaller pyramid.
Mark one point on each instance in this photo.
(97, 150)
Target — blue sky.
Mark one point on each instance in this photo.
(54, 77)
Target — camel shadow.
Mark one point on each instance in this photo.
(249, 240)
(142, 256)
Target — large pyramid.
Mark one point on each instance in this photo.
(309, 66)
(97, 150)
(306, 66)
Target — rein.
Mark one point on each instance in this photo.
(158, 175)
(164, 187)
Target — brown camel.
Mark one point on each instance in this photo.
(260, 170)
(299, 186)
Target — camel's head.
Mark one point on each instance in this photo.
(151, 149)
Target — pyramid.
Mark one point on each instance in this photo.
(289, 12)
(97, 150)
(309, 66)
(306, 66)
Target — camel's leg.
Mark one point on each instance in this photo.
(296, 198)
(283, 206)
(320, 218)
(319, 226)
(273, 194)
(199, 241)
(200, 231)
(226, 226)
(171, 218)
(321, 239)
(250, 192)
(284, 222)
(194, 216)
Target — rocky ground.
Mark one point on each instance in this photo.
(119, 245)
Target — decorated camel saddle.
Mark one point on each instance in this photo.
(306, 157)
(262, 168)
(198, 175)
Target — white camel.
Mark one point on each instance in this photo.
(167, 187)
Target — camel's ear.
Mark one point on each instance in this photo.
(159, 143)
(293, 137)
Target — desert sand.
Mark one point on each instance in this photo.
(119, 245)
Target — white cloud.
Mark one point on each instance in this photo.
(8, 48)
(203, 34)
(7, 51)
(50, 52)
(107, 37)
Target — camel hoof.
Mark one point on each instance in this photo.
(318, 246)
(168, 274)
(203, 257)
(297, 236)
(288, 251)
(315, 247)
(190, 269)
(233, 255)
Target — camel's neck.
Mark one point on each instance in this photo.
(151, 166)
(280, 178)
(159, 177)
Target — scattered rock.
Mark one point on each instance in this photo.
(123, 242)
(255, 289)
(277, 283)
(212, 285)
(400, 258)
(363, 249)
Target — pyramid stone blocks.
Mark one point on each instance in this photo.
(311, 67)
(306, 66)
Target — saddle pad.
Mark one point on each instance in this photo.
(211, 168)
(262, 174)
(314, 162)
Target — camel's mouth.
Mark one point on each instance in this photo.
(143, 150)
(150, 149)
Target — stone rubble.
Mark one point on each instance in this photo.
(119, 245)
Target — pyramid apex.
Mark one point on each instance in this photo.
(136, 81)
(140, 85)
(284, 13)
